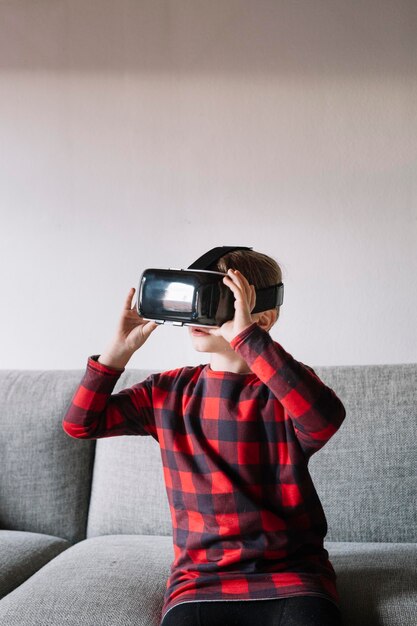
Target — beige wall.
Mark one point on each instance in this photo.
(139, 134)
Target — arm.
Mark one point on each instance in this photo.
(315, 410)
(95, 412)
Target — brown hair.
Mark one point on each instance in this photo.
(259, 269)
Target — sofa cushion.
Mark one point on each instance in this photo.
(115, 579)
(366, 475)
(120, 580)
(377, 582)
(45, 475)
(22, 554)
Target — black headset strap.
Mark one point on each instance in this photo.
(266, 298)
(269, 298)
(209, 258)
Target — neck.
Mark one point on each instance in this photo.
(228, 360)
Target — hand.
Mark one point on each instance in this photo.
(245, 300)
(133, 330)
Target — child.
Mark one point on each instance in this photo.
(235, 437)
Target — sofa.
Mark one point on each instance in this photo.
(85, 530)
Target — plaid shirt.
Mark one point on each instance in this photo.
(247, 520)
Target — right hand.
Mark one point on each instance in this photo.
(133, 330)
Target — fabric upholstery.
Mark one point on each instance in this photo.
(119, 580)
(128, 493)
(366, 475)
(377, 582)
(45, 476)
(22, 554)
(115, 580)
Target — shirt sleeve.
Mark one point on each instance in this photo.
(95, 412)
(315, 410)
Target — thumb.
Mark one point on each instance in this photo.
(148, 328)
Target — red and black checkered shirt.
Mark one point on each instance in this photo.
(247, 520)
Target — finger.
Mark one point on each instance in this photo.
(238, 292)
(240, 277)
(249, 289)
(246, 286)
(148, 328)
(229, 282)
(128, 301)
(233, 275)
(242, 282)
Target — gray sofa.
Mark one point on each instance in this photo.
(85, 535)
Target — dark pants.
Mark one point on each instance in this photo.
(294, 611)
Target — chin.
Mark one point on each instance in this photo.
(201, 345)
(200, 349)
(210, 344)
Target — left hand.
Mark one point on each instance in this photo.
(245, 299)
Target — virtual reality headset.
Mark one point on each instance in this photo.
(196, 296)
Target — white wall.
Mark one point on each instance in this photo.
(140, 134)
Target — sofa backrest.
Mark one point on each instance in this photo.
(128, 493)
(365, 475)
(45, 475)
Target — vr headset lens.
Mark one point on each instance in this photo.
(166, 297)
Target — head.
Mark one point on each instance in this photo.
(260, 270)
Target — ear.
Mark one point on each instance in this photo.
(266, 319)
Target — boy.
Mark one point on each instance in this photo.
(235, 437)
